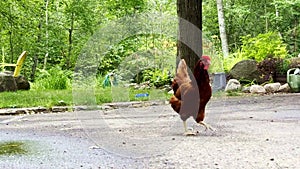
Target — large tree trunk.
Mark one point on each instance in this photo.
(222, 28)
(189, 46)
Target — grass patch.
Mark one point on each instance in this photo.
(12, 148)
(33, 98)
(50, 98)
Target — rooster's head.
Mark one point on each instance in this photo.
(205, 61)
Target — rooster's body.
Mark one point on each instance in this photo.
(191, 95)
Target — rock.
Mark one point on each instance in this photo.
(59, 109)
(40, 110)
(10, 83)
(7, 83)
(7, 72)
(107, 108)
(61, 103)
(257, 89)
(272, 87)
(246, 70)
(233, 85)
(22, 83)
(284, 88)
(246, 89)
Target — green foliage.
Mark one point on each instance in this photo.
(23, 27)
(55, 79)
(259, 48)
(231, 60)
(121, 8)
(262, 46)
(118, 52)
(156, 77)
(283, 66)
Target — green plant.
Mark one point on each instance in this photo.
(55, 78)
(262, 46)
(259, 48)
(156, 77)
(283, 66)
(231, 60)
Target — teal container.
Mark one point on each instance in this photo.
(293, 80)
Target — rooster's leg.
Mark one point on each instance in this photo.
(207, 126)
(188, 132)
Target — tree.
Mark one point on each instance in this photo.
(222, 28)
(190, 31)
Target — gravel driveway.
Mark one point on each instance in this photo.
(251, 132)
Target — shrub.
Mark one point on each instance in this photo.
(55, 78)
(231, 60)
(272, 67)
(262, 46)
(156, 77)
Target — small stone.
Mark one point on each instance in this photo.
(59, 109)
(106, 108)
(284, 88)
(272, 87)
(233, 85)
(61, 103)
(246, 90)
(257, 89)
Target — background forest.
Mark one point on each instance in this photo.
(53, 32)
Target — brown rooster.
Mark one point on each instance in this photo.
(191, 94)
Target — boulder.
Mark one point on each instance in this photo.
(7, 83)
(22, 83)
(272, 87)
(257, 89)
(233, 85)
(246, 70)
(10, 83)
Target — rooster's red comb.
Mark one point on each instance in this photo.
(205, 57)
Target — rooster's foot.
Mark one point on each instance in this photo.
(207, 126)
(189, 133)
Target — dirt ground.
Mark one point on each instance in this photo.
(251, 132)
